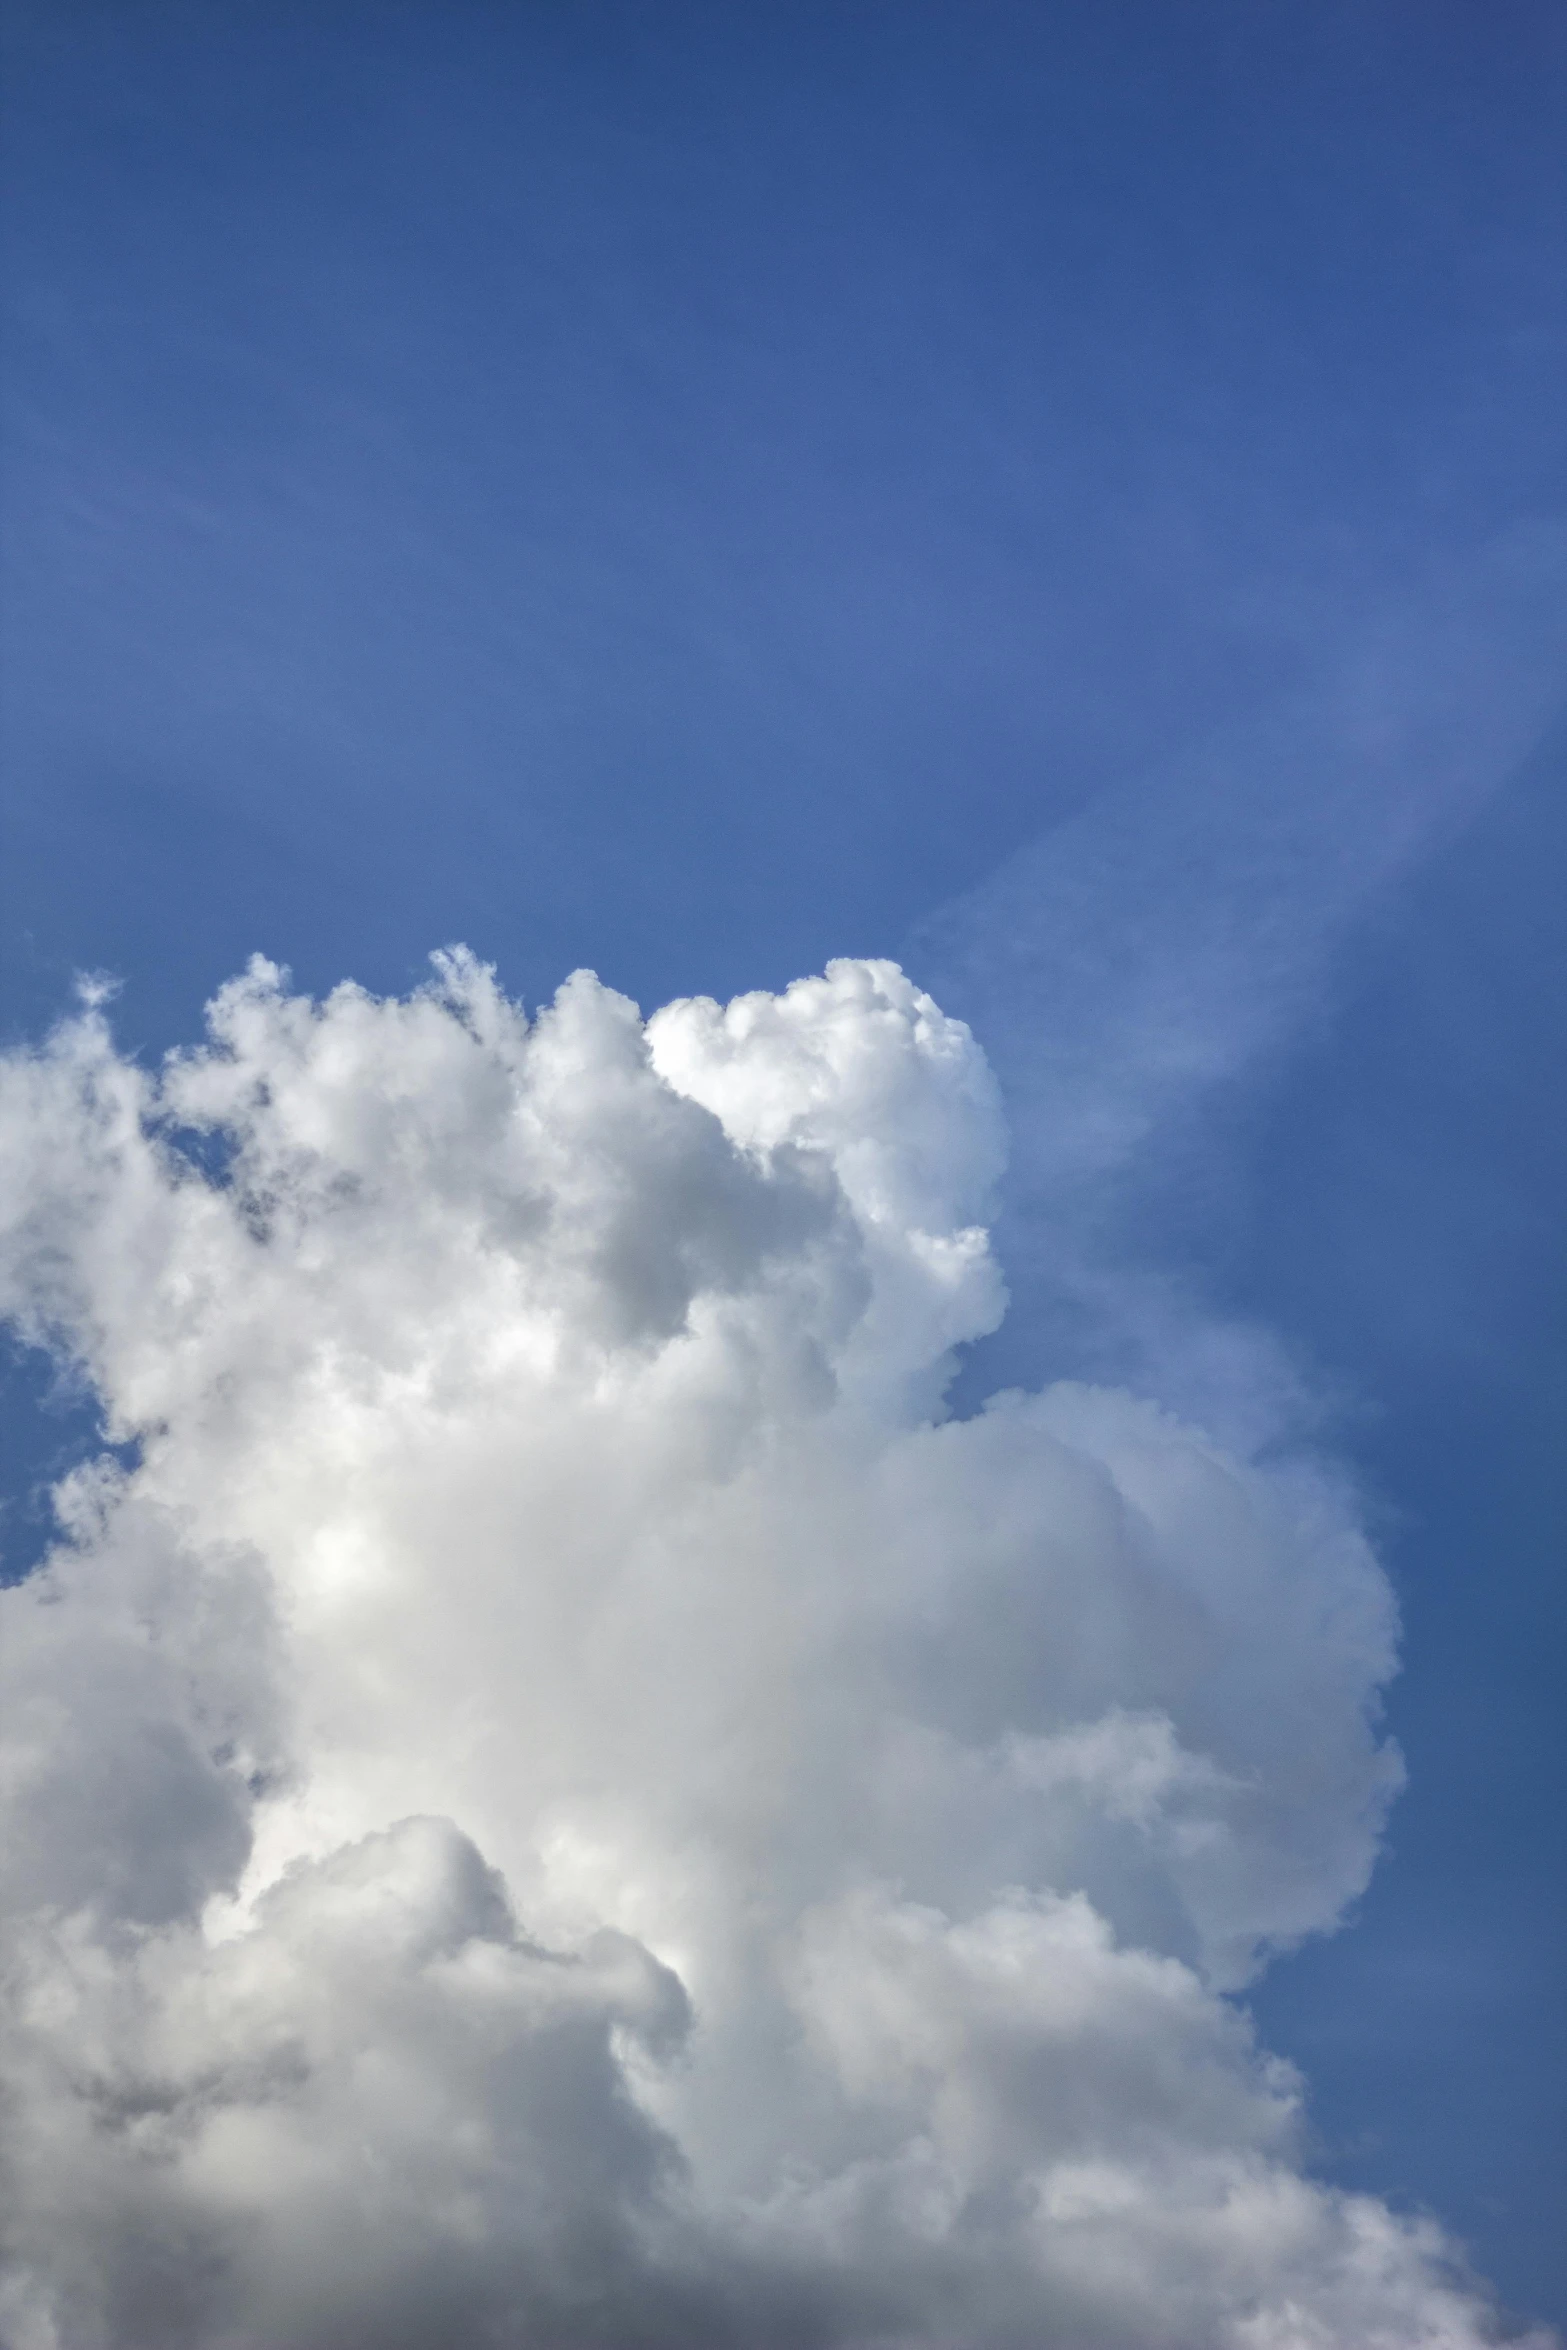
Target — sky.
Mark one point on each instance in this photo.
(1068, 503)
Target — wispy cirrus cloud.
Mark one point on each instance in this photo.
(1136, 967)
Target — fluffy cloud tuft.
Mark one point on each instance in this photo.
(564, 1800)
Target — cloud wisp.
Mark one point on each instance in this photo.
(563, 1800)
(1132, 969)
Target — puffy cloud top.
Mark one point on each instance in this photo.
(564, 1800)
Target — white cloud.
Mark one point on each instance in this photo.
(1134, 968)
(562, 1801)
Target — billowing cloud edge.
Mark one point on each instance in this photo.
(564, 1799)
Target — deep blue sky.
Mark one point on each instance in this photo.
(695, 490)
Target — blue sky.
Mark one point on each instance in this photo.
(1073, 499)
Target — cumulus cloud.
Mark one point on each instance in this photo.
(565, 1800)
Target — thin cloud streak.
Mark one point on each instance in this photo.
(1131, 968)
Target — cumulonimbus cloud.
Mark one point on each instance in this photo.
(564, 1801)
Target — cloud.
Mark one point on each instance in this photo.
(1140, 970)
(1128, 961)
(565, 1800)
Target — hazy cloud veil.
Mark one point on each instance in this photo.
(563, 1801)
